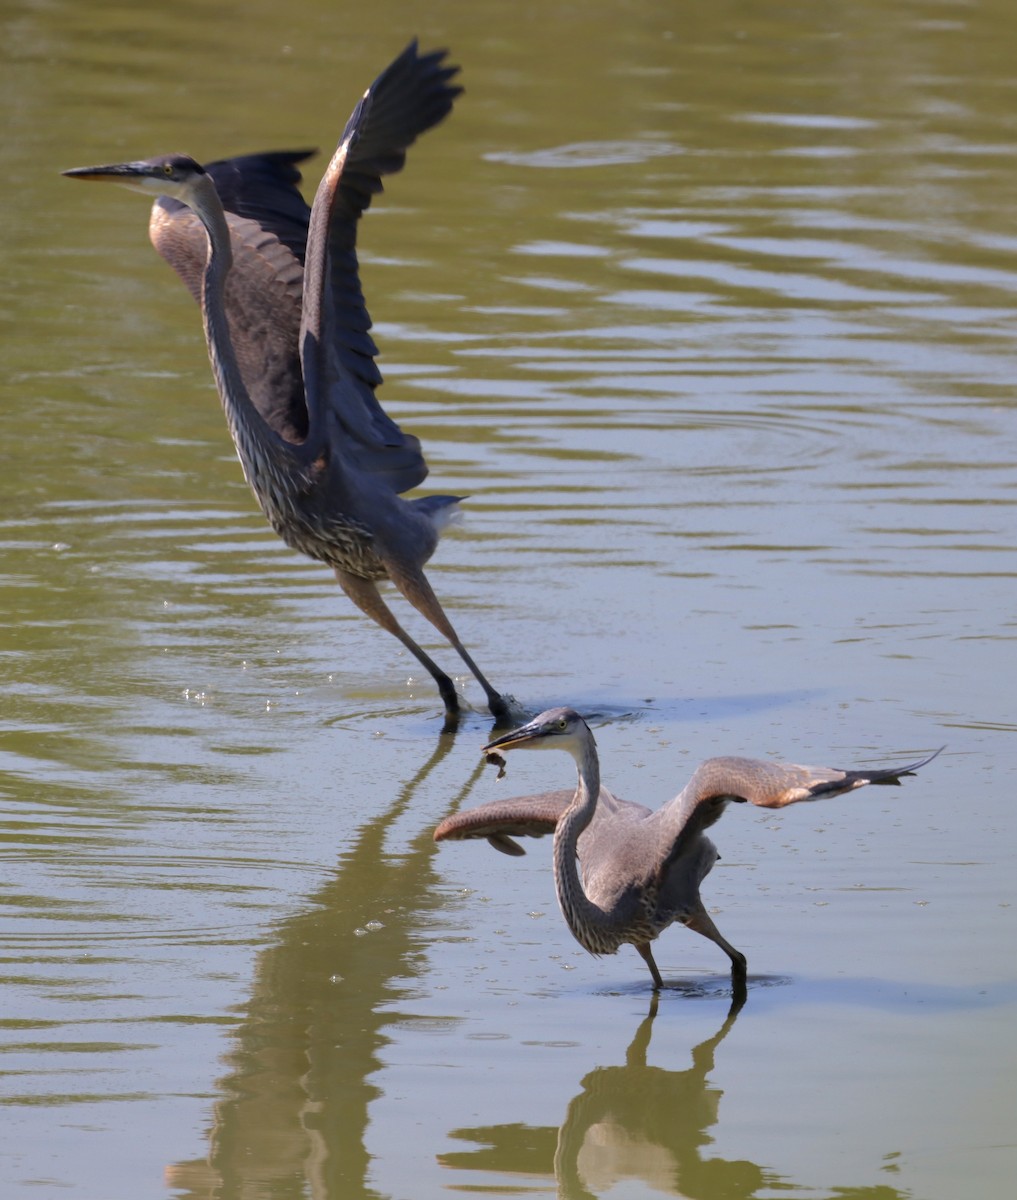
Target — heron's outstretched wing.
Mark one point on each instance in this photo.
(501, 820)
(718, 782)
(532, 816)
(263, 188)
(268, 221)
(337, 351)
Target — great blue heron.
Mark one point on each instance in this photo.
(641, 870)
(287, 334)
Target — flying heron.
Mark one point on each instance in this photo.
(287, 333)
(641, 870)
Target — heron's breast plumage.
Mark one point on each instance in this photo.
(297, 502)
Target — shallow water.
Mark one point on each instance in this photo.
(712, 315)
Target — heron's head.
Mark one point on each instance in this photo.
(174, 175)
(555, 729)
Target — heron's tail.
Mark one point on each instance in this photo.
(442, 510)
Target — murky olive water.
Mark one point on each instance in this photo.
(712, 312)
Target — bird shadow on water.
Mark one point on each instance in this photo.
(687, 708)
(415, 720)
(888, 995)
(419, 718)
(692, 988)
(765, 993)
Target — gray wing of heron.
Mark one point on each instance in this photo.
(499, 821)
(628, 843)
(296, 310)
(336, 349)
(717, 782)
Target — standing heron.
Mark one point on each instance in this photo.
(287, 333)
(641, 870)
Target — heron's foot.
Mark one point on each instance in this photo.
(739, 977)
(449, 697)
(507, 711)
(451, 722)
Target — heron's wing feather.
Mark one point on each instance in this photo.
(263, 188)
(535, 816)
(501, 820)
(775, 785)
(267, 217)
(337, 350)
(720, 781)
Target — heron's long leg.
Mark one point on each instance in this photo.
(699, 922)
(415, 587)
(365, 595)
(647, 956)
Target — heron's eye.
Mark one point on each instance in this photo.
(562, 723)
(167, 168)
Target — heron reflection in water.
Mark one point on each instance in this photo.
(637, 1122)
(637, 1129)
(287, 333)
(641, 870)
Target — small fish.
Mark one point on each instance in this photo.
(495, 759)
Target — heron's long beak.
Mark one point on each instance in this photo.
(112, 173)
(525, 735)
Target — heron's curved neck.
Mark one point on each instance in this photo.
(250, 432)
(580, 913)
